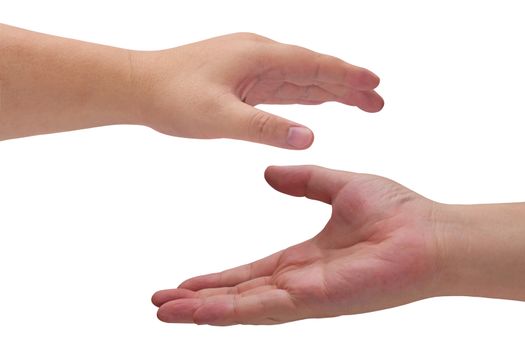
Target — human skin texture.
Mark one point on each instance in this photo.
(383, 246)
(201, 90)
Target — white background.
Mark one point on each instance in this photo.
(93, 222)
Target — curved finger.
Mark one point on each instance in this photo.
(368, 101)
(289, 93)
(305, 180)
(251, 124)
(298, 92)
(302, 66)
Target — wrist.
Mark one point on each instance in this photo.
(144, 78)
(54, 84)
(481, 250)
(155, 78)
(168, 88)
(118, 100)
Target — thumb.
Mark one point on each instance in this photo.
(307, 180)
(252, 124)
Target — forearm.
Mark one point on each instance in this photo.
(51, 84)
(483, 250)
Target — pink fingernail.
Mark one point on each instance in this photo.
(299, 137)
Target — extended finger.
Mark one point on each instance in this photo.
(164, 296)
(235, 276)
(245, 122)
(262, 307)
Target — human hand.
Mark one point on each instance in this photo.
(208, 89)
(201, 90)
(378, 250)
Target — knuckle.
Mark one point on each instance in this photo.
(248, 36)
(251, 46)
(261, 125)
(235, 307)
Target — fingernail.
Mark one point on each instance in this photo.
(299, 137)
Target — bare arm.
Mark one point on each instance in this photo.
(51, 84)
(383, 246)
(202, 90)
(484, 250)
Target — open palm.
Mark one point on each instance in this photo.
(376, 251)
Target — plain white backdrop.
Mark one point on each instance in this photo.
(93, 222)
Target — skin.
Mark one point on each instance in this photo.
(383, 246)
(202, 90)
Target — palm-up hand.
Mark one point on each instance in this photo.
(376, 251)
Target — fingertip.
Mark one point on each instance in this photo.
(299, 137)
(259, 126)
(155, 299)
(178, 311)
(164, 296)
(162, 315)
(269, 171)
(367, 80)
(374, 80)
(159, 316)
(272, 173)
(381, 104)
(288, 179)
(368, 101)
(374, 104)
